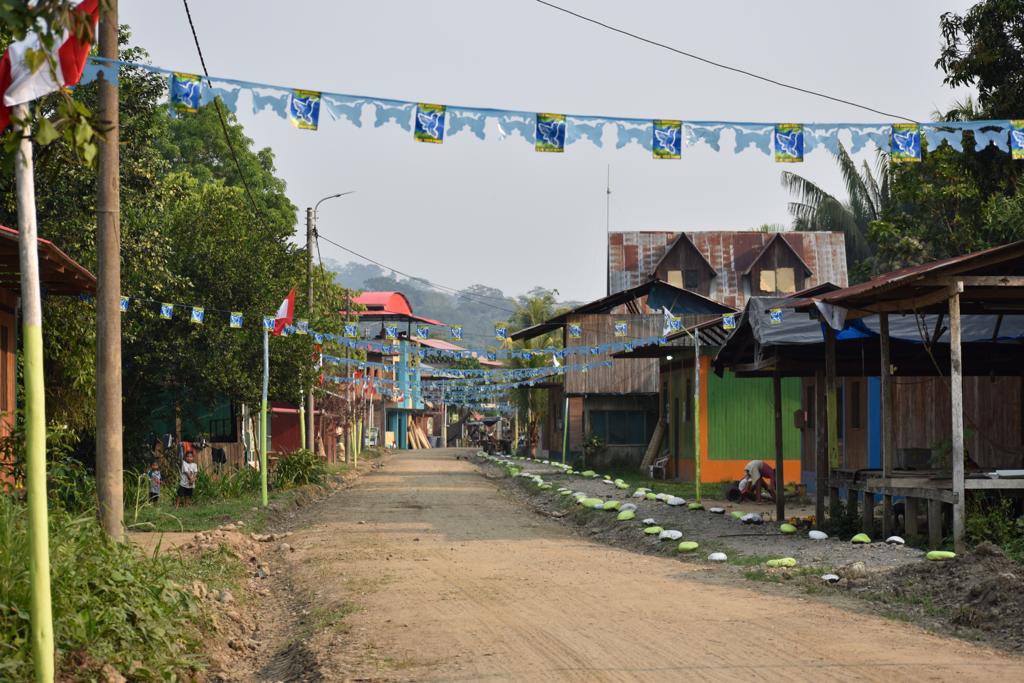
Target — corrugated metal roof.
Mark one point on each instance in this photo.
(633, 257)
(920, 281)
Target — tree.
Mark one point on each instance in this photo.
(536, 307)
(867, 197)
(984, 48)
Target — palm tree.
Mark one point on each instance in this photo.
(868, 196)
(534, 308)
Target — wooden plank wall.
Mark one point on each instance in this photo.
(638, 376)
(993, 416)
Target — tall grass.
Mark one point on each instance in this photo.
(110, 602)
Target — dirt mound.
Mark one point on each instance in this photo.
(977, 595)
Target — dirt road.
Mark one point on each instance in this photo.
(426, 571)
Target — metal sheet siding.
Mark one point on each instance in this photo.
(634, 255)
(741, 418)
(626, 376)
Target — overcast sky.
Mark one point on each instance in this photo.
(497, 213)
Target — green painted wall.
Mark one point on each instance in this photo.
(741, 418)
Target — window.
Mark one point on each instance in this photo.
(691, 278)
(767, 281)
(855, 405)
(785, 280)
(620, 427)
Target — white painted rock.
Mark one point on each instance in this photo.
(599, 506)
(649, 521)
(751, 518)
(661, 496)
(627, 507)
(895, 540)
(639, 494)
(717, 557)
(675, 501)
(670, 535)
(608, 481)
(816, 535)
(830, 578)
(717, 511)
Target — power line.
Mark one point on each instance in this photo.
(477, 298)
(220, 115)
(720, 65)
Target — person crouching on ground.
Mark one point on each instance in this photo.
(154, 482)
(187, 485)
(758, 477)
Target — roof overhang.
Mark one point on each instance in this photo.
(59, 274)
(660, 295)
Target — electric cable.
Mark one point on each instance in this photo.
(719, 65)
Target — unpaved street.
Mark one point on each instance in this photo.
(426, 571)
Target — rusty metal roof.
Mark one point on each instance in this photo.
(923, 288)
(634, 255)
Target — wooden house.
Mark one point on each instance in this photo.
(730, 421)
(616, 404)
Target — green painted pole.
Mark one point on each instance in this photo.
(264, 441)
(40, 609)
(565, 429)
(302, 420)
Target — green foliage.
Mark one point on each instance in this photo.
(982, 48)
(69, 484)
(995, 520)
(299, 468)
(110, 602)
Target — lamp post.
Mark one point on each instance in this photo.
(311, 214)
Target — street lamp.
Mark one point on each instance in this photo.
(311, 215)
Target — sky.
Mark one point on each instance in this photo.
(496, 212)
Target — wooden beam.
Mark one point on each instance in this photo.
(956, 390)
(780, 497)
(831, 409)
(820, 448)
(976, 281)
(910, 518)
(868, 519)
(914, 303)
(888, 452)
(934, 524)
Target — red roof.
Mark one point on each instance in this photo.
(58, 272)
(388, 306)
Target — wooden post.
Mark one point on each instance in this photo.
(956, 391)
(780, 498)
(868, 517)
(109, 431)
(820, 451)
(851, 502)
(885, 423)
(832, 414)
(934, 523)
(910, 518)
(696, 413)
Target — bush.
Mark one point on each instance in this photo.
(995, 520)
(110, 602)
(299, 468)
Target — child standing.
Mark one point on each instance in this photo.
(187, 485)
(154, 482)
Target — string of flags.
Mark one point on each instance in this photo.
(664, 138)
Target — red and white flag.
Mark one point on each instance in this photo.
(285, 313)
(19, 84)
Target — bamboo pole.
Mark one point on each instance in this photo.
(565, 430)
(956, 391)
(888, 452)
(264, 441)
(40, 609)
(696, 413)
(302, 420)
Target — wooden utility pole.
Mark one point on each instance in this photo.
(109, 432)
(40, 610)
(780, 486)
